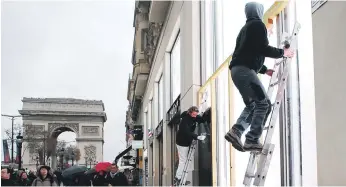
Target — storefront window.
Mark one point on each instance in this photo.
(175, 70)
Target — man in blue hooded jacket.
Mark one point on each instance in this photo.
(252, 46)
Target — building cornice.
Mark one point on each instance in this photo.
(63, 101)
(62, 113)
(90, 140)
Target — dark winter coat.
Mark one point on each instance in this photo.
(99, 180)
(23, 182)
(187, 126)
(118, 180)
(7, 182)
(252, 45)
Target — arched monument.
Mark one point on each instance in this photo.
(48, 117)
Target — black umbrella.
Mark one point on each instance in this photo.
(90, 171)
(74, 170)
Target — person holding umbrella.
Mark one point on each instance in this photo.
(100, 178)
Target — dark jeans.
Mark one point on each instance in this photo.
(258, 105)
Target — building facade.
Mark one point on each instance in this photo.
(181, 52)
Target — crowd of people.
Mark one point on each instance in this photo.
(45, 176)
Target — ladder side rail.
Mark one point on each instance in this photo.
(264, 163)
(282, 86)
(274, 78)
(277, 105)
(292, 40)
(250, 170)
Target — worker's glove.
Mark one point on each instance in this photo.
(202, 137)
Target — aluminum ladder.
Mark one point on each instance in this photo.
(266, 153)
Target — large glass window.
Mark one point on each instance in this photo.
(160, 100)
(175, 70)
(207, 42)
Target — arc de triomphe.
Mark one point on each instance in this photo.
(53, 116)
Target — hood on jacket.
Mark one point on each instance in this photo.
(254, 10)
(49, 174)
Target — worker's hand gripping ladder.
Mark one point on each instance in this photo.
(278, 78)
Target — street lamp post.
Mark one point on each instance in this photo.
(86, 161)
(19, 149)
(72, 157)
(12, 136)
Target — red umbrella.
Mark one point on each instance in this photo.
(102, 166)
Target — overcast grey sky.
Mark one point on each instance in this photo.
(78, 49)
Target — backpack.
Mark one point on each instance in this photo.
(51, 182)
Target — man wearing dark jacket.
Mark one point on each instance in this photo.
(115, 177)
(185, 136)
(252, 46)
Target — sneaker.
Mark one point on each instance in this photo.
(252, 146)
(234, 137)
(176, 182)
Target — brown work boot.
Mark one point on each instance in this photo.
(234, 137)
(252, 146)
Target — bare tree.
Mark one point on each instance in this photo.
(39, 142)
(74, 149)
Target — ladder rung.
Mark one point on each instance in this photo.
(267, 127)
(274, 84)
(250, 176)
